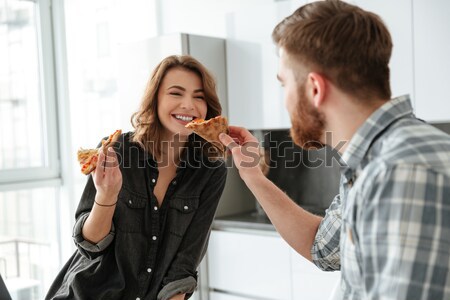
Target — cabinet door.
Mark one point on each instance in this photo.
(432, 59)
(309, 282)
(250, 265)
(136, 62)
(398, 19)
(255, 96)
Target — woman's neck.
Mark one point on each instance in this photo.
(171, 150)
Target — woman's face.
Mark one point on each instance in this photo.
(180, 100)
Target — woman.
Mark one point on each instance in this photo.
(143, 221)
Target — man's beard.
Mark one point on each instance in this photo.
(308, 124)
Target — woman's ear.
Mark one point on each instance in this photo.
(316, 88)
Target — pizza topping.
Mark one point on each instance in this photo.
(88, 157)
(210, 129)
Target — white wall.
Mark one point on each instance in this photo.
(202, 17)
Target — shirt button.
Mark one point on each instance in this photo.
(185, 207)
(138, 298)
(155, 208)
(129, 201)
(149, 270)
(174, 182)
(154, 238)
(153, 180)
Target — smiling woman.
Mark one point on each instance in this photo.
(180, 100)
(179, 90)
(142, 225)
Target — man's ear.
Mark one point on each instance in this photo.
(316, 88)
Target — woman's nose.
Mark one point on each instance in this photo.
(187, 103)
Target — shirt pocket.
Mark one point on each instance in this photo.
(181, 212)
(130, 211)
(351, 256)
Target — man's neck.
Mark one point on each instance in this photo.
(344, 117)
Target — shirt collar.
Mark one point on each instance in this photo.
(372, 127)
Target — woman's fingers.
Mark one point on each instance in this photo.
(111, 158)
(107, 161)
(107, 175)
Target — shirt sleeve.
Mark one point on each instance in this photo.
(86, 248)
(182, 276)
(403, 229)
(325, 251)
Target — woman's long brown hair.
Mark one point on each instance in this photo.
(148, 127)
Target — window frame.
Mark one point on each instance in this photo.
(49, 174)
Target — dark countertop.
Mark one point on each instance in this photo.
(247, 220)
(251, 220)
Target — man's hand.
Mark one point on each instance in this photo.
(244, 148)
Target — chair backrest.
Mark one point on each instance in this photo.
(4, 294)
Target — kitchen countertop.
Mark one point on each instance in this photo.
(247, 220)
(251, 220)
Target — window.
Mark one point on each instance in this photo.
(29, 241)
(28, 149)
(36, 205)
(29, 247)
(93, 53)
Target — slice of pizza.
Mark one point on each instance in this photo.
(88, 157)
(210, 129)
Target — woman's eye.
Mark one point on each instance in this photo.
(200, 97)
(175, 94)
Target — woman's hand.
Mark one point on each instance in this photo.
(244, 148)
(107, 177)
(178, 297)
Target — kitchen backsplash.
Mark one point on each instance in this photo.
(310, 178)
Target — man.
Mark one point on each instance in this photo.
(388, 230)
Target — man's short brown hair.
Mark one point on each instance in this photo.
(348, 45)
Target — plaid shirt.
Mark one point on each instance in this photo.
(388, 230)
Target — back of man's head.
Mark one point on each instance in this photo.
(348, 45)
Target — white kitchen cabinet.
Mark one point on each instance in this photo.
(261, 265)
(252, 62)
(255, 96)
(432, 60)
(309, 282)
(398, 19)
(249, 265)
(225, 296)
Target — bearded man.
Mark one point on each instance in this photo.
(388, 229)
